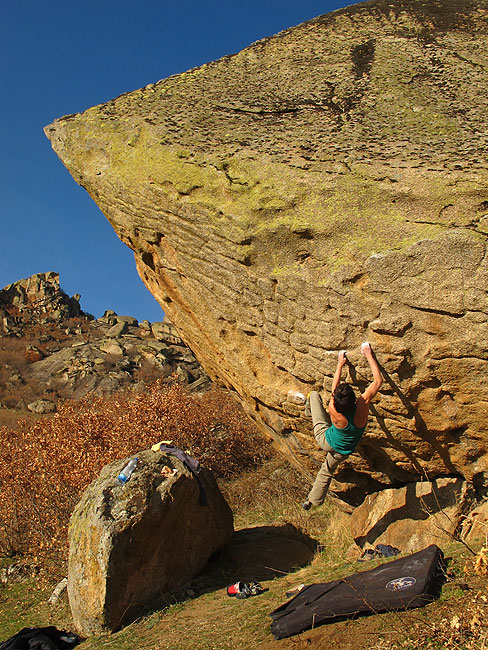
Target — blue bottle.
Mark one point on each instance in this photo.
(125, 474)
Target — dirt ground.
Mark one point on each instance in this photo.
(10, 417)
(346, 635)
(266, 552)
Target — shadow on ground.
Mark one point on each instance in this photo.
(264, 553)
(253, 554)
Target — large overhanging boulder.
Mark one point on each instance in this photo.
(322, 187)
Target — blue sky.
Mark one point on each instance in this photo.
(60, 57)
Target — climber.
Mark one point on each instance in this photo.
(339, 431)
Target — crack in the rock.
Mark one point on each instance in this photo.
(441, 312)
(304, 105)
(259, 111)
(473, 63)
(445, 207)
(473, 226)
(423, 221)
(223, 169)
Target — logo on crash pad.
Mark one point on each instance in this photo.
(401, 583)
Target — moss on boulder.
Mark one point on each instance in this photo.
(295, 198)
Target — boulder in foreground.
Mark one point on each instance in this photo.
(132, 544)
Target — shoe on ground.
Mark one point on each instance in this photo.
(306, 505)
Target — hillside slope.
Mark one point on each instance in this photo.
(51, 350)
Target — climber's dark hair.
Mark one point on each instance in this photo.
(344, 399)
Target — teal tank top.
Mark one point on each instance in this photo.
(344, 441)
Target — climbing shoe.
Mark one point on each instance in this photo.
(244, 590)
(255, 588)
(307, 412)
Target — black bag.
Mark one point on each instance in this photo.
(409, 582)
(41, 638)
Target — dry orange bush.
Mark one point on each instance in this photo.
(45, 466)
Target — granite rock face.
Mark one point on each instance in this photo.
(40, 295)
(411, 517)
(132, 545)
(324, 186)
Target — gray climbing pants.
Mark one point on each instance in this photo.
(321, 422)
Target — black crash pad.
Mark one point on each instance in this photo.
(41, 638)
(408, 582)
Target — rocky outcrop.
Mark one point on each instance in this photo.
(41, 406)
(411, 517)
(321, 187)
(75, 354)
(38, 298)
(118, 358)
(132, 545)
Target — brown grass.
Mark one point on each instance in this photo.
(46, 465)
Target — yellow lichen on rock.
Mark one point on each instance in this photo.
(324, 186)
